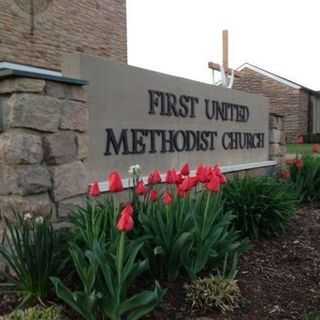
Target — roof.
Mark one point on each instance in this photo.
(276, 77)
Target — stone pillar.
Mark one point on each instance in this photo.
(277, 138)
(43, 145)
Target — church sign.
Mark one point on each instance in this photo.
(160, 121)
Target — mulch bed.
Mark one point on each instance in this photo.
(279, 278)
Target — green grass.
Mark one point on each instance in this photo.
(299, 148)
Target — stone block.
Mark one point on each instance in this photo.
(67, 206)
(60, 147)
(283, 138)
(77, 93)
(4, 112)
(275, 122)
(20, 148)
(75, 116)
(83, 146)
(37, 205)
(55, 89)
(283, 150)
(35, 112)
(24, 180)
(275, 136)
(275, 149)
(69, 180)
(65, 91)
(21, 85)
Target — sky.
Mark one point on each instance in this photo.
(179, 37)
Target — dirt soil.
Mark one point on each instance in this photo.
(279, 278)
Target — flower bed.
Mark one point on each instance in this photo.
(118, 260)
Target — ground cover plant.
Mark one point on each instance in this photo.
(50, 313)
(262, 205)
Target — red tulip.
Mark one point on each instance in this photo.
(214, 184)
(153, 195)
(179, 179)
(126, 222)
(115, 182)
(140, 188)
(203, 173)
(94, 190)
(167, 198)
(186, 185)
(217, 171)
(154, 177)
(316, 148)
(285, 175)
(128, 209)
(194, 181)
(299, 164)
(172, 177)
(185, 170)
(223, 179)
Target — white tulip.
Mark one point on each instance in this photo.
(27, 216)
(39, 220)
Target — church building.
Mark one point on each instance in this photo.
(299, 105)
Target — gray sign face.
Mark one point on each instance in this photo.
(161, 122)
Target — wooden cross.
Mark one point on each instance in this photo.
(225, 62)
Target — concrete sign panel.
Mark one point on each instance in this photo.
(159, 121)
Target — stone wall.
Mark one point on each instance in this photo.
(284, 100)
(43, 146)
(277, 137)
(94, 27)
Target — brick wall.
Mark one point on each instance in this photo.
(95, 27)
(284, 100)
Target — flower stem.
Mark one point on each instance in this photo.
(120, 256)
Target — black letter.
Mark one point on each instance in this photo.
(111, 139)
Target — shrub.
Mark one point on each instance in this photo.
(35, 313)
(262, 206)
(32, 252)
(305, 178)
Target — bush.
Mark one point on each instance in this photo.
(305, 178)
(35, 313)
(262, 206)
(32, 252)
